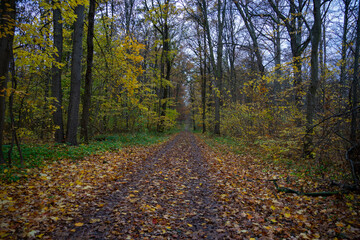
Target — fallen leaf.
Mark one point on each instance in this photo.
(79, 224)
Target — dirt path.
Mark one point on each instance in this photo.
(185, 190)
(180, 189)
(169, 196)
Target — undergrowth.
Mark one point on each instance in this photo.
(38, 155)
(277, 153)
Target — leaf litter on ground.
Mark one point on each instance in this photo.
(182, 189)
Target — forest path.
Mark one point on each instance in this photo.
(183, 189)
(171, 195)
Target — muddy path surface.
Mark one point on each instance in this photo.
(170, 195)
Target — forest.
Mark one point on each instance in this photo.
(263, 90)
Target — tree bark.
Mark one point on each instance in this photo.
(56, 90)
(311, 94)
(129, 5)
(277, 46)
(355, 86)
(219, 70)
(13, 128)
(203, 83)
(88, 76)
(7, 29)
(344, 48)
(73, 110)
(232, 56)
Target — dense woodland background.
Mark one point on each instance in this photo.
(280, 75)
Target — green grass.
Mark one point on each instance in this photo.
(37, 155)
(237, 146)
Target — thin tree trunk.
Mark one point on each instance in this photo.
(219, 71)
(56, 90)
(129, 5)
(14, 137)
(355, 86)
(232, 57)
(88, 76)
(277, 46)
(293, 25)
(311, 94)
(73, 111)
(203, 85)
(250, 27)
(7, 19)
(344, 48)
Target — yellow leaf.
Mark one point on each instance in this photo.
(40, 235)
(94, 220)
(339, 224)
(316, 235)
(273, 220)
(223, 195)
(133, 200)
(3, 234)
(272, 207)
(79, 224)
(287, 215)
(11, 209)
(190, 225)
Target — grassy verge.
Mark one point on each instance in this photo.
(37, 155)
(277, 154)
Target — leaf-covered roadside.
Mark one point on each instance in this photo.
(250, 195)
(32, 207)
(38, 155)
(181, 189)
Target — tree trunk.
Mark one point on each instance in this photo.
(56, 90)
(250, 27)
(203, 84)
(13, 128)
(277, 46)
(344, 48)
(293, 25)
(129, 5)
(7, 23)
(311, 94)
(73, 111)
(355, 86)
(88, 76)
(219, 70)
(232, 56)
